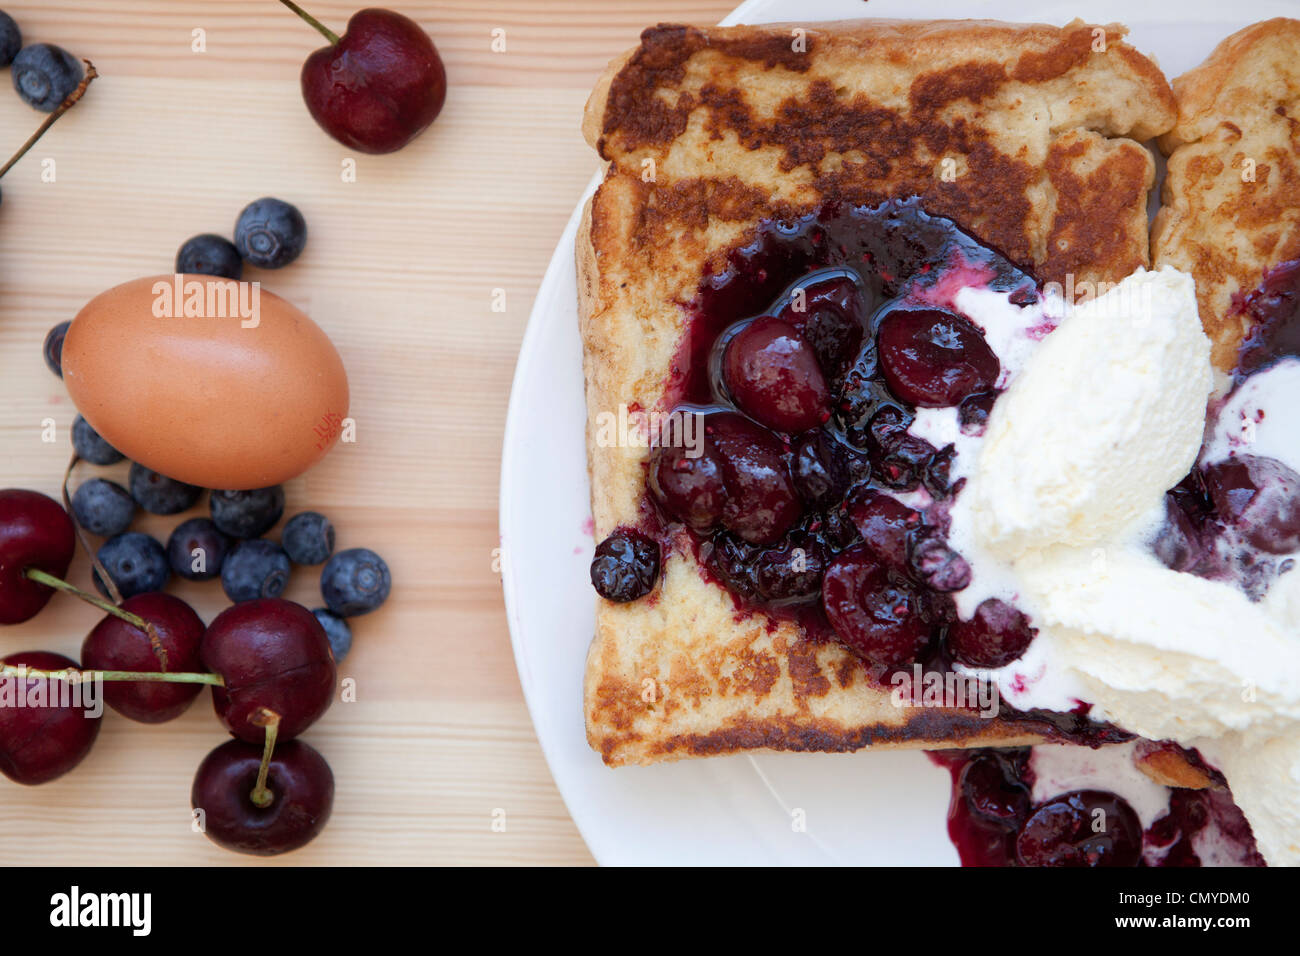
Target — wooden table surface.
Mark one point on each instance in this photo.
(400, 269)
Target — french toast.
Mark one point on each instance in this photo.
(1026, 136)
(1231, 199)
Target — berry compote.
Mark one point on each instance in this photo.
(1236, 516)
(999, 815)
(804, 362)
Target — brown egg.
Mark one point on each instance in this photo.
(209, 381)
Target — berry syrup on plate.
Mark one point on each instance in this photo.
(1046, 806)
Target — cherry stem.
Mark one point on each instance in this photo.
(261, 794)
(78, 676)
(325, 31)
(62, 108)
(49, 580)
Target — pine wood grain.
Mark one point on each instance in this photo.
(400, 269)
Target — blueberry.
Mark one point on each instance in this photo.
(54, 347)
(87, 443)
(136, 563)
(270, 233)
(11, 39)
(247, 514)
(625, 566)
(338, 632)
(256, 568)
(196, 550)
(45, 75)
(355, 581)
(103, 507)
(158, 494)
(210, 255)
(309, 538)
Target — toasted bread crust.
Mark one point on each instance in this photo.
(737, 127)
(1231, 199)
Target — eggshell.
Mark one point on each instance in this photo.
(209, 381)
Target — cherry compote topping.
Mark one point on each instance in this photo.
(939, 566)
(1081, 828)
(774, 376)
(875, 612)
(1260, 496)
(996, 635)
(737, 478)
(789, 573)
(823, 469)
(887, 526)
(933, 358)
(1273, 315)
(802, 366)
(993, 820)
(990, 798)
(1238, 518)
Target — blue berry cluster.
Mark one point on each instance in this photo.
(269, 234)
(229, 544)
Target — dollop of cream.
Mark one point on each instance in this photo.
(1106, 416)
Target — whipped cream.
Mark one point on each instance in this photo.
(1105, 419)
(1064, 493)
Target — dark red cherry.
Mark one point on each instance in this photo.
(1261, 497)
(886, 525)
(117, 645)
(1187, 541)
(996, 634)
(35, 532)
(736, 477)
(1082, 828)
(773, 376)
(1273, 308)
(990, 800)
(39, 742)
(935, 359)
(689, 488)
(272, 654)
(831, 316)
(379, 85)
(761, 503)
(874, 614)
(993, 791)
(302, 795)
(625, 566)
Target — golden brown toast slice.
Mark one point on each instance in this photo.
(1231, 199)
(706, 132)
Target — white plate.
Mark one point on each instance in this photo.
(864, 808)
